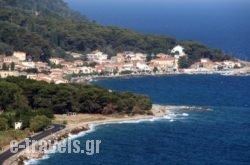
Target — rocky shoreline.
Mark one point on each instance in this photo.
(157, 111)
(27, 154)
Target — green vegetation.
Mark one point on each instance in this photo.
(196, 51)
(49, 28)
(7, 136)
(35, 103)
(184, 62)
(126, 72)
(39, 123)
(3, 124)
(26, 115)
(23, 100)
(40, 31)
(41, 96)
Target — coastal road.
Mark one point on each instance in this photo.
(7, 154)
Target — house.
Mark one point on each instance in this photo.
(110, 68)
(56, 61)
(9, 59)
(204, 64)
(105, 62)
(43, 77)
(127, 67)
(4, 73)
(179, 50)
(20, 67)
(31, 76)
(28, 64)
(131, 56)
(78, 63)
(231, 64)
(42, 66)
(21, 56)
(99, 68)
(56, 72)
(207, 63)
(67, 64)
(74, 70)
(141, 57)
(119, 58)
(164, 63)
(97, 56)
(142, 67)
(87, 70)
(60, 81)
(75, 55)
(161, 55)
(18, 125)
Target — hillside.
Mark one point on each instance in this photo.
(50, 27)
(19, 96)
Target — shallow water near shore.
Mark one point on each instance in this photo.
(218, 136)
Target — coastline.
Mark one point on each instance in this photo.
(75, 128)
(244, 71)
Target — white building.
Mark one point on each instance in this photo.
(127, 67)
(28, 65)
(18, 125)
(97, 56)
(143, 66)
(178, 49)
(20, 55)
(75, 55)
(4, 73)
(87, 70)
(56, 61)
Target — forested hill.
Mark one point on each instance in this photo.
(50, 27)
(56, 7)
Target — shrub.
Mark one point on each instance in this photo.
(38, 123)
(3, 124)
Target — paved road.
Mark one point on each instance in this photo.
(7, 154)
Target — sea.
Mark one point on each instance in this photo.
(222, 24)
(220, 135)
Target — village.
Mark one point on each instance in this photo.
(97, 64)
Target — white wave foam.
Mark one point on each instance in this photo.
(35, 161)
(57, 144)
(172, 115)
(31, 161)
(167, 117)
(139, 121)
(172, 120)
(175, 116)
(185, 114)
(92, 127)
(155, 119)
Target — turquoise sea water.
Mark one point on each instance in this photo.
(219, 136)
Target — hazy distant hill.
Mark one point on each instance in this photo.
(49, 26)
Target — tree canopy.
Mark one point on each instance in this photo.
(24, 93)
(47, 27)
(23, 99)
